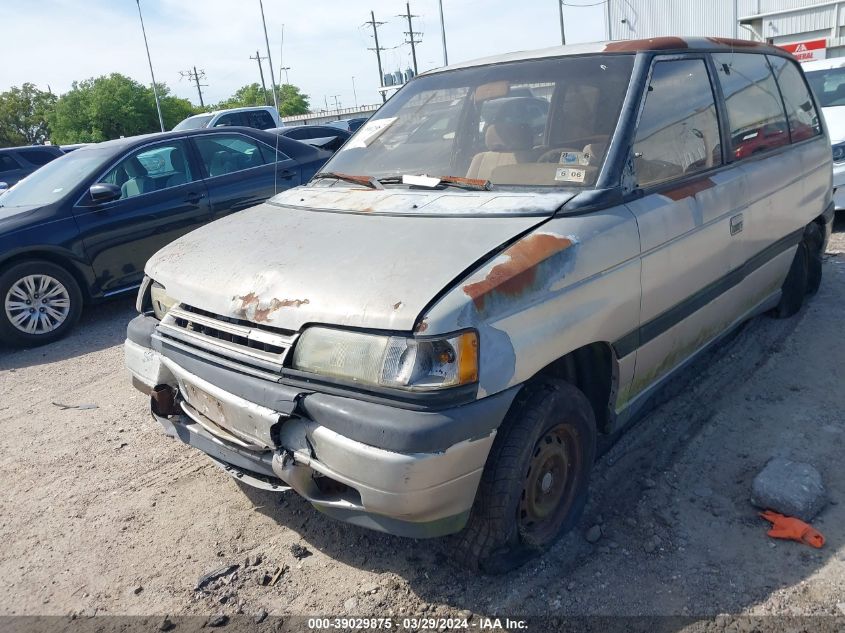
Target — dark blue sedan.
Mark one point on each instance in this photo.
(82, 227)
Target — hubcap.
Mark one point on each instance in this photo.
(37, 304)
(550, 482)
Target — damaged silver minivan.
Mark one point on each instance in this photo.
(500, 266)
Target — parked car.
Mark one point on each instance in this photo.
(80, 229)
(322, 136)
(350, 125)
(433, 334)
(827, 78)
(259, 117)
(16, 163)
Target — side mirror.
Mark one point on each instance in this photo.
(104, 192)
(3, 186)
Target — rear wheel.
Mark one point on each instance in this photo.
(536, 479)
(795, 286)
(39, 303)
(815, 242)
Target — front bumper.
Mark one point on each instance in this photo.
(839, 186)
(406, 486)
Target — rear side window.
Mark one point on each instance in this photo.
(801, 112)
(7, 163)
(259, 119)
(678, 132)
(755, 110)
(38, 156)
(233, 118)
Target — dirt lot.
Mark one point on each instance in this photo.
(101, 513)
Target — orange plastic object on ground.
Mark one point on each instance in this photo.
(792, 529)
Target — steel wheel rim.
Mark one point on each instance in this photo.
(550, 483)
(37, 304)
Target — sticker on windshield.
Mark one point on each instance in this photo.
(569, 174)
(574, 158)
(369, 132)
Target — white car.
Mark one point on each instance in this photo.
(259, 117)
(827, 78)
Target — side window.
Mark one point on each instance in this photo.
(38, 156)
(800, 109)
(678, 132)
(298, 135)
(7, 163)
(226, 120)
(228, 153)
(259, 119)
(755, 110)
(151, 169)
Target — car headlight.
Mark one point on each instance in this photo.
(162, 302)
(412, 364)
(838, 152)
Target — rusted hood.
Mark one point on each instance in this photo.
(287, 267)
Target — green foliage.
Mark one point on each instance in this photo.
(23, 115)
(112, 106)
(291, 99)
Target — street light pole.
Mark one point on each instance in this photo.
(355, 94)
(150, 60)
(269, 57)
(562, 31)
(443, 34)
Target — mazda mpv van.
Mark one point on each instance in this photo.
(499, 267)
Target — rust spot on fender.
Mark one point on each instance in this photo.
(690, 189)
(251, 309)
(650, 44)
(514, 276)
(397, 305)
(422, 326)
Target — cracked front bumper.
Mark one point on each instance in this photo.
(417, 491)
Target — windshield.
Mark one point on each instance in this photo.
(829, 86)
(194, 123)
(56, 179)
(537, 123)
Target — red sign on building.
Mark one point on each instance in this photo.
(807, 51)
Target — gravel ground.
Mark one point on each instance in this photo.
(103, 514)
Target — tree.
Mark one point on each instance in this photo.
(23, 115)
(291, 99)
(112, 106)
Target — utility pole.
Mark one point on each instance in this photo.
(195, 76)
(410, 33)
(258, 58)
(150, 60)
(443, 34)
(269, 57)
(562, 31)
(378, 50)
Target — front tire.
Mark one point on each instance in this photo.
(536, 480)
(39, 303)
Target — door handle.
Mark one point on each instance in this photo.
(194, 197)
(286, 174)
(736, 224)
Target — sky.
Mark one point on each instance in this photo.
(51, 43)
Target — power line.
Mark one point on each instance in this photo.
(195, 76)
(258, 58)
(410, 33)
(372, 22)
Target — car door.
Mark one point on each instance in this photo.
(240, 172)
(689, 217)
(162, 197)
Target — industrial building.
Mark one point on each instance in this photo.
(811, 29)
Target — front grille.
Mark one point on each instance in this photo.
(245, 343)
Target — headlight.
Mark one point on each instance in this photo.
(838, 152)
(161, 301)
(412, 364)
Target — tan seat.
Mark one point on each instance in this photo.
(507, 143)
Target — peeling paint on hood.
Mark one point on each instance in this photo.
(288, 267)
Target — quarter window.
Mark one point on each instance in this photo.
(151, 169)
(228, 153)
(678, 132)
(38, 156)
(800, 109)
(755, 110)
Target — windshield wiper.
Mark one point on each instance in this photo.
(471, 184)
(367, 181)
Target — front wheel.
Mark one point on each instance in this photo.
(39, 303)
(535, 483)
